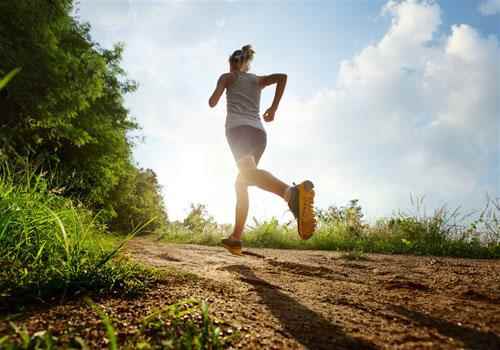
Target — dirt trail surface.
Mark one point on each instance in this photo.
(286, 299)
(321, 300)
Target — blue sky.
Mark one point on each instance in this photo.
(385, 98)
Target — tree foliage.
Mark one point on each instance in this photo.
(198, 218)
(350, 215)
(65, 109)
(138, 201)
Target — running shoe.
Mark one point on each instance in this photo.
(232, 245)
(301, 204)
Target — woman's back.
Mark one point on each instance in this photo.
(243, 101)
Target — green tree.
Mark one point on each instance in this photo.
(65, 109)
(137, 201)
(351, 216)
(198, 218)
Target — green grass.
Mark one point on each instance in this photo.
(444, 233)
(210, 234)
(6, 79)
(51, 246)
(21, 339)
(354, 255)
(110, 331)
(186, 324)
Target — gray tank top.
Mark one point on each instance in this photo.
(243, 102)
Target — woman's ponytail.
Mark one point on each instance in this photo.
(248, 52)
(245, 54)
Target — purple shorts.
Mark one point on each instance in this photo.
(246, 140)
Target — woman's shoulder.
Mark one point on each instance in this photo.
(228, 78)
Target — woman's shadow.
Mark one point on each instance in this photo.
(306, 326)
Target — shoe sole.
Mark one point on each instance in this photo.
(306, 186)
(233, 250)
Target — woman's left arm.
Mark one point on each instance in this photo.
(280, 80)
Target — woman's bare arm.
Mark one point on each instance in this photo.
(280, 79)
(222, 84)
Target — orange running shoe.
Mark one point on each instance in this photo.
(301, 204)
(232, 245)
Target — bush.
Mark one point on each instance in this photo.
(444, 233)
(199, 227)
(350, 217)
(137, 202)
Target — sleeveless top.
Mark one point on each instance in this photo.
(243, 102)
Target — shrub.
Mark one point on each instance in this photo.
(444, 233)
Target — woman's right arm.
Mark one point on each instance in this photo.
(222, 83)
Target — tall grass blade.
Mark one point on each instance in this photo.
(113, 252)
(5, 80)
(40, 251)
(81, 343)
(63, 232)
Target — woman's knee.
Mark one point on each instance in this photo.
(247, 162)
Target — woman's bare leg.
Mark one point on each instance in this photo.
(261, 178)
(242, 203)
(251, 176)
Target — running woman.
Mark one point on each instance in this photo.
(247, 139)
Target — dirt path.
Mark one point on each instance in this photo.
(283, 299)
(321, 300)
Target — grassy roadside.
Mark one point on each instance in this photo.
(51, 246)
(444, 233)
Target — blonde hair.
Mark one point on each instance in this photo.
(241, 56)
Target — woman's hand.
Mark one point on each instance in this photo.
(269, 114)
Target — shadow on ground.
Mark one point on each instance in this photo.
(306, 326)
(471, 338)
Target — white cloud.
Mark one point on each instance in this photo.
(489, 7)
(414, 113)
